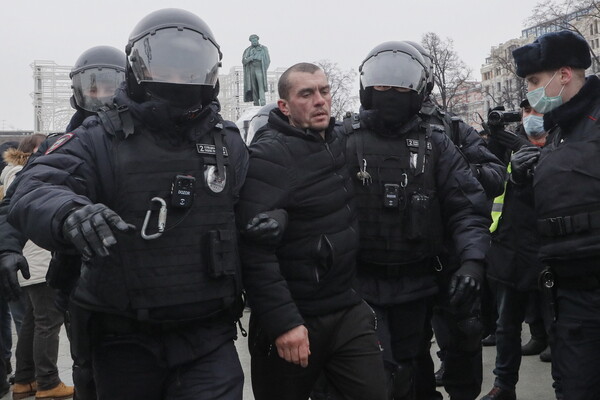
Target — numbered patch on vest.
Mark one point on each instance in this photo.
(61, 140)
(415, 143)
(209, 149)
(214, 183)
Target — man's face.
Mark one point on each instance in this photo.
(254, 41)
(101, 91)
(309, 104)
(541, 79)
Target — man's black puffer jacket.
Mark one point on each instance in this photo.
(311, 271)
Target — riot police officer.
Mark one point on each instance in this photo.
(566, 195)
(145, 192)
(95, 77)
(460, 349)
(412, 186)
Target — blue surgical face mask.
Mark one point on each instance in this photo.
(542, 103)
(534, 126)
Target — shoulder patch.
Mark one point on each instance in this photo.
(61, 140)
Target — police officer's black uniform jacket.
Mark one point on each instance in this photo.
(310, 273)
(197, 276)
(486, 167)
(513, 255)
(566, 184)
(436, 192)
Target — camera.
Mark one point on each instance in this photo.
(182, 191)
(499, 118)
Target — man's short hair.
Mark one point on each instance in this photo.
(253, 36)
(552, 51)
(283, 86)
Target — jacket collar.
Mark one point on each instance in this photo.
(281, 123)
(571, 112)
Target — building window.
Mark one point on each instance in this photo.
(596, 43)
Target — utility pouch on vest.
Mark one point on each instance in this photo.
(417, 217)
(223, 255)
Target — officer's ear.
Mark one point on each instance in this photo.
(283, 107)
(565, 75)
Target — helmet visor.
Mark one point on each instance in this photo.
(95, 87)
(171, 55)
(393, 68)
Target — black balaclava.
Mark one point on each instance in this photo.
(396, 108)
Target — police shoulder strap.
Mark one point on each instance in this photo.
(351, 122)
(452, 127)
(117, 121)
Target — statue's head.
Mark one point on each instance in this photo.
(254, 39)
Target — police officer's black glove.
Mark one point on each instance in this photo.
(90, 229)
(10, 263)
(465, 284)
(522, 162)
(267, 228)
(509, 139)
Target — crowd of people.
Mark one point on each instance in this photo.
(149, 226)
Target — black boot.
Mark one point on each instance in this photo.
(534, 346)
(497, 393)
(489, 340)
(546, 355)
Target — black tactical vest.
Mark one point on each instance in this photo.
(567, 195)
(191, 270)
(399, 212)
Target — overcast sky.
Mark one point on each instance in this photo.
(342, 31)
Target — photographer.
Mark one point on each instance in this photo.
(513, 266)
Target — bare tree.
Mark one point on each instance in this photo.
(514, 89)
(341, 82)
(450, 72)
(567, 14)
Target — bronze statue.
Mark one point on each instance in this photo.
(256, 62)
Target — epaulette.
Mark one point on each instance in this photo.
(351, 122)
(117, 121)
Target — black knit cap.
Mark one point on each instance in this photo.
(552, 51)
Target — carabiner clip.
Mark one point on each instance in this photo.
(162, 220)
(404, 182)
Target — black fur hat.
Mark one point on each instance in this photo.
(552, 51)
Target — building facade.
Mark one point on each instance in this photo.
(51, 96)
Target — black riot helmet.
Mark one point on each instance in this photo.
(173, 56)
(395, 64)
(428, 63)
(97, 74)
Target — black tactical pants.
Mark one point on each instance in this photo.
(460, 349)
(402, 332)
(343, 347)
(146, 364)
(576, 351)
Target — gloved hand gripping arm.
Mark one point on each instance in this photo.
(267, 227)
(522, 163)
